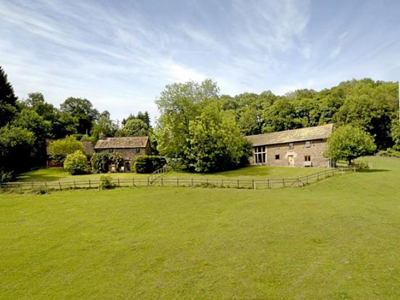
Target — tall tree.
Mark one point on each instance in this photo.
(8, 100)
(178, 104)
(83, 110)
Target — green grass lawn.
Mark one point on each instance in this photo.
(338, 239)
(59, 174)
(251, 172)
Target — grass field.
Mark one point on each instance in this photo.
(59, 174)
(338, 239)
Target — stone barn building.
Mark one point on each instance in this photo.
(128, 147)
(303, 147)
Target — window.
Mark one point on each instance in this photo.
(291, 146)
(308, 144)
(137, 150)
(277, 157)
(259, 155)
(307, 158)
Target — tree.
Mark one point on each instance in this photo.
(179, 104)
(104, 125)
(395, 134)
(348, 143)
(33, 122)
(215, 143)
(15, 148)
(83, 110)
(76, 163)
(8, 101)
(61, 148)
(135, 127)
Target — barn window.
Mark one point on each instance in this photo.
(277, 157)
(308, 144)
(307, 158)
(291, 146)
(259, 154)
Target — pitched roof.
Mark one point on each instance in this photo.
(88, 148)
(122, 142)
(295, 135)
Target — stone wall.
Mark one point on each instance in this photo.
(297, 154)
(128, 154)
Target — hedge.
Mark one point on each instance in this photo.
(148, 164)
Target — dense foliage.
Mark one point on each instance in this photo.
(350, 142)
(194, 128)
(102, 161)
(145, 164)
(76, 163)
(61, 148)
(185, 113)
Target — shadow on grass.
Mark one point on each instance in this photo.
(373, 170)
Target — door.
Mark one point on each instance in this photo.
(291, 160)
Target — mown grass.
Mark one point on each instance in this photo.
(338, 239)
(59, 174)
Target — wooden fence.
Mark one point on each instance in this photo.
(238, 183)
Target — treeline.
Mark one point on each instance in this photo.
(197, 125)
(371, 105)
(26, 124)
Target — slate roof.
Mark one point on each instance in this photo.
(295, 135)
(122, 142)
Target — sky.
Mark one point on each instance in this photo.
(121, 54)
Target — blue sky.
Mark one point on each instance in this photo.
(121, 54)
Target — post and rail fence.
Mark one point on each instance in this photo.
(157, 179)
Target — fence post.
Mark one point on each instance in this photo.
(47, 188)
(177, 181)
(222, 183)
(59, 183)
(89, 184)
(283, 182)
(268, 184)
(238, 184)
(162, 181)
(254, 187)
(133, 181)
(74, 184)
(192, 182)
(148, 181)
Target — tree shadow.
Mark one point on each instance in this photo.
(373, 170)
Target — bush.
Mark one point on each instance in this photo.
(6, 176)
(60, 149)
(389, 153)
(76, 163)
(106, 182)
(102, 161)
(148, 164)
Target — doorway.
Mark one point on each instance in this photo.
(291, 160)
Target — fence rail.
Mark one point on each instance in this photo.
(237, 183)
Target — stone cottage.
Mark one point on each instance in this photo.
(128, 147)
(303, 147)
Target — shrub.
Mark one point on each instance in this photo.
(106, 182)
(390, 153)
(60, 149)
(6, 176)
(100, 162)
(147, 164)
(76, 163)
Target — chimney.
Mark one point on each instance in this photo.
(102, 136)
